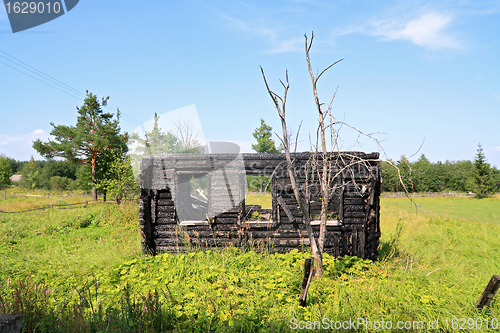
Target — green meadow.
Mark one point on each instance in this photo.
(486, 210)
(82, 270)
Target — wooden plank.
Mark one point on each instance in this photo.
(285, 208)
(328, 222)
(277, 235)
(354, 208)
(308, 273)
(230, 219)
(294, 242)
(354, 243)
(181, 241)
(170, 249)
(348, 214)
(193, 223)
(353, 220)
(165, 229)
(258, 224)
(165, 202)
(167, 215)
(164, 194)
(166, 220)
(489, 292)
(165, 209)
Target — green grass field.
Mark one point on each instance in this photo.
(261, 199)
(17, 199)
(81, 270)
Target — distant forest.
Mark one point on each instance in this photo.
(425, 176)
(52, 174)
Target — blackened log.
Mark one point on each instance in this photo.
(308, 272)
(489, 292)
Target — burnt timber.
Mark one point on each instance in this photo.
(173, 219)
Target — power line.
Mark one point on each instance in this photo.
(33, 77)
(52, 82)
(38, 72)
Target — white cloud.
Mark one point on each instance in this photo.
(38, 132)
(236, 23)
(279, 44)
(20, 147)
(428, 30)
(290, 45)
(497, 148)
(5, 141)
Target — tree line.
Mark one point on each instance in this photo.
(475, 176)
(50, 174)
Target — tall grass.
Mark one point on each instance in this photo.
(67, 243)
(432, 267)
(459, 255)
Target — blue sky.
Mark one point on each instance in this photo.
(418, 73)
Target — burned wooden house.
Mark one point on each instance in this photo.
(199, 199)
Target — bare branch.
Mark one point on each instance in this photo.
(415, 153)
(308, 46)
(324, 70)
(333, 98)
(279, 138)
(297, 137)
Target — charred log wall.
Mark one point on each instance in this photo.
(353, 227)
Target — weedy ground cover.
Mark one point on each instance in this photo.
(82, 270)
(66, 243)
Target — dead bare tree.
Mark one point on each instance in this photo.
(186, 134)
(320, 164)
(328, 168)
(280, 104)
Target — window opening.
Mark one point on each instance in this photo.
(193, 192)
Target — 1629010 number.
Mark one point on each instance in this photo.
(33, 7)
(471, 323)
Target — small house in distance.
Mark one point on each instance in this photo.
(16, 178)
(199, 200)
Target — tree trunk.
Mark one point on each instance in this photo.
(324, 160)
(94, 178)
(303, 205)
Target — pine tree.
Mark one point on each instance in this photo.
(481, 174)
(263, 134)
(95, 133)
